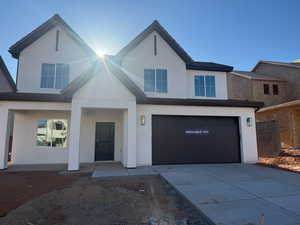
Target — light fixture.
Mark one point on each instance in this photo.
(249, 121)
(142, 120)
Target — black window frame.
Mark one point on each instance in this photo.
(275, 89)
(266, 89)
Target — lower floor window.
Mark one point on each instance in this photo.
(52, 133)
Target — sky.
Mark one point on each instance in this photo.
(233, 32)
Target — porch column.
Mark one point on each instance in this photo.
(4, 137)
(131, 137)
(73, 159)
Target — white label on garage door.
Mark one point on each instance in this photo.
(196, 132)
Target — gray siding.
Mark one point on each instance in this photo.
(239, 87)
(4, 84)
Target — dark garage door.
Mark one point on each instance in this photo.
(195, 139)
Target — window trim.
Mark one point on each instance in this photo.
(155, 84)
(205, 86)
(52, 147)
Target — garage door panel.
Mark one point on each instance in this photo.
(192, 139)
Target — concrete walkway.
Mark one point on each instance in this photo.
(238, 194)
(116, 169)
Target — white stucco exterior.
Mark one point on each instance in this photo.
(104, 98)
(142, 57)
(43, 50)
(144, 133)
(220, 81)
(180, 80)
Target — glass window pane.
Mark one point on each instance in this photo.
(43, 133)
(210, 86)
(52, 133)
(48, 73)
(62, 76)
(59, 133)
(199, 86)
(149, 80)
(161, 81)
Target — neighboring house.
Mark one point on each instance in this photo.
(7, 84)
(254, 86)
(277, 84)
(149, 104)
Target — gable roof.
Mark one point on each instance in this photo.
(81, 80)
(292, 65)
(155, 26)
(96, 68)
(190, 63)
(55, 20)
(7, 75)
(66, 94)
(255, 76)
(111, 64)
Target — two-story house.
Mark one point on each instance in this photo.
(151, 103)
(277, 85)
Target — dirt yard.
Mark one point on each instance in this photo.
(43, 198)
(287, 160)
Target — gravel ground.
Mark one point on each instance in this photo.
(287, 160)
(81, 200)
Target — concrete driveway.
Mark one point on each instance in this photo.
(238, 194)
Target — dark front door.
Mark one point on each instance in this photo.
(105, 141)
(195, 139)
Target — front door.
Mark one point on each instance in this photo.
(104, 141)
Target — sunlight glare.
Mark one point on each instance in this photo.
(100, 53)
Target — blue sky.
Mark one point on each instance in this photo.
(233, 32)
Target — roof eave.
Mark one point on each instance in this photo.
(224, 69)
(56, 20)
(201, 102)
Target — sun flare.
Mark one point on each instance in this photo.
(100, 53)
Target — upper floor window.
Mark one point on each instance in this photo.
(266, 89)
(55, 75)
(155, 80)
(275, 89)
(205, 86)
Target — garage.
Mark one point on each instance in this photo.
(195, 139)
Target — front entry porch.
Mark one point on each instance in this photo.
(105, 132)
(70, 134)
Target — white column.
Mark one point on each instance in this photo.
(248, 140)
(4, 137)
(73, 159)
(131, 137)
(125, 138)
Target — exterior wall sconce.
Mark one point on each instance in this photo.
(142, 120)
(249, 121)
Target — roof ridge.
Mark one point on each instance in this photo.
(56, 19)
(291, 65)
(156, 26)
